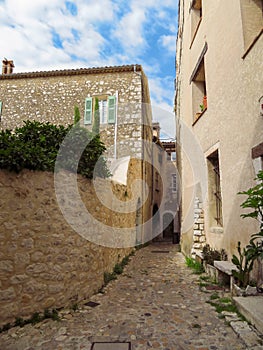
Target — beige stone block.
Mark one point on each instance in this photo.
(7, 294)
(56, 288)
(6, 266)
(36, 268)
(37, 256)
(197, 246)
(21, 259)
(47, 303)
(17, 279)
(27, 243)
(26, 298)
(202, 239)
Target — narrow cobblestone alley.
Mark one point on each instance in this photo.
(155, 304)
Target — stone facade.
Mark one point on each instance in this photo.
(44, 263)
(52, 95)
(219, 124)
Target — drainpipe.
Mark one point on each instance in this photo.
(116, 125)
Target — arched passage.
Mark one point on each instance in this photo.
(155, 221)
(168, 226)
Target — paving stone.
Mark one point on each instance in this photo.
(155, 304)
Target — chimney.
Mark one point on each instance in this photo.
(7, 67)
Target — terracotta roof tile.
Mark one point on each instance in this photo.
(80, 71)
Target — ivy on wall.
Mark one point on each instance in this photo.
(35, 146)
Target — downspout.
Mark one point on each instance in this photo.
(116, 125)
(142, 163)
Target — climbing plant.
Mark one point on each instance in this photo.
(96, 123)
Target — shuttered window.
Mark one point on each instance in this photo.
(88, 111)
(111, 109)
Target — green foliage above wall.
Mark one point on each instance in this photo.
(35, 146)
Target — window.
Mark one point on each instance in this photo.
(173, 156)
(198, 80)
(196, 17)
(173, 182)
(214, 186)
(252, 20)
(103, 111)
(107, 109)
(257, 157)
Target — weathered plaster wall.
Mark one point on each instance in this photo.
(44, 263)
(232, 121)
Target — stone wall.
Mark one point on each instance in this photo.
(51, 97)
(44, 263)
(199, 238)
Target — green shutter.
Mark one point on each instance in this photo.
(111, 109)
(88, 111)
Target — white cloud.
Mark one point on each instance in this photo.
(42, 35)
(162, 101)
(168, 42)
(129, 31)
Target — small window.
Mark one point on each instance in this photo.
(214, 185)
(196, 17)
(198, 80)
(252, 21)
(107, 109)
(173, 156)
(103, 110)
(173, 182)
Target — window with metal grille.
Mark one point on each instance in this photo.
(215, 198)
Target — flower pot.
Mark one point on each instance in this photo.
(205, 102)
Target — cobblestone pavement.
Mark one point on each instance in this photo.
(155, 304)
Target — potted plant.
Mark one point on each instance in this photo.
(209, 256)
(254, 250)
(205, 102)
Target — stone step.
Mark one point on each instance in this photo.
(252, 309)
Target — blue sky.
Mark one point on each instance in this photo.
(43, 35)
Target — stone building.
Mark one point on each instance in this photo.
(125, 116)
(218, 105)
(165, 188)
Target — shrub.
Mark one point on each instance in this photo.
(210, 255)
(36, 145)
